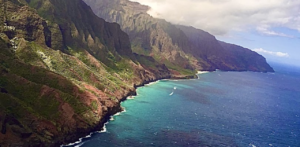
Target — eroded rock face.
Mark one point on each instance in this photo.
(184, 46)
(149, 36)
(63, 70)
(61, 77)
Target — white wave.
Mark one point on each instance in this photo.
(172, 93)
(104, 128)
(130, 98)
(79, 145)
(88, 136)
(71, 144)
(111, 118)
(175, 88)
(252, 145)
(151, 83)
(202, 72)
(117, 114)
(79, 142)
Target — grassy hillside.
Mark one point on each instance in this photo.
(63, 71)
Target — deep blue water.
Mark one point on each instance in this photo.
(219, 109)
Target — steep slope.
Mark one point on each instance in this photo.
(205, 46)
(42, 108)
(153, 36)
(82, 29)
(63, 71)
(246, 59)
(222, 55)
(149, 36)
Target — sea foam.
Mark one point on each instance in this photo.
(104, 129)
(201, 72)
(79, 142)
(151, 83)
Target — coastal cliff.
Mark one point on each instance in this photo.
(193, 48)
(149, 36)
(222, 55)
(64, 70)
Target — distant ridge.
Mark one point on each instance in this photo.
(194, 47)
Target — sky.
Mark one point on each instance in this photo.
(269, 27)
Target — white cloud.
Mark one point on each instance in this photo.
(266, 31)
(222, 16)
(278, 54)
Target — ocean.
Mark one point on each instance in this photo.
(220, 109)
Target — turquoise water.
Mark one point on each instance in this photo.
(218, 109)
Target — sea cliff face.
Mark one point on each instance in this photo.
(222, 55)
(150, 36)
(63, 71)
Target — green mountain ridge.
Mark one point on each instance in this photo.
(148, 36)
(64, 70)
(61, 76)
(223, 55)
(200, 50)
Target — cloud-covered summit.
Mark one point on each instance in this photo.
(222, 16)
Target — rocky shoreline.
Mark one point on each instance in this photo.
(116, 109)
(61, 80)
